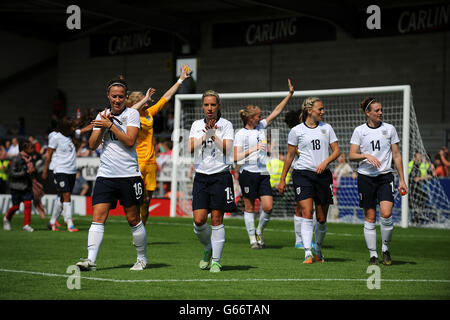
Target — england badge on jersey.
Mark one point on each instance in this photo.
(384, 133)
(324, 132)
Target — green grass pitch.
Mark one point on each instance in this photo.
(34, 265)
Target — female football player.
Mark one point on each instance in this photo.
(250, 146)
(374, 144)
(312, 179)
(118, 176)
(211, 141)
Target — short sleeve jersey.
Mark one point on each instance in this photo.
(248, 139)
(376, 142)
(312, 144)
(52, 163)
(117, 160)
(209, 158)
(64, 157)
(144, 146)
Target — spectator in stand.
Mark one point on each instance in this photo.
(4, 167)
(21, 186)
(35, 143)
(81, 186)
(440, 169)
(419, 174)
(3, 153)
(84, 151)
(13, 150)
(341, 170)
(444, 157)
(7, 146)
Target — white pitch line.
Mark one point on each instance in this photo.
(218, 280)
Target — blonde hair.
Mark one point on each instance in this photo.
(308, 103)
(134, 98)
(248, 112)
(209, 93)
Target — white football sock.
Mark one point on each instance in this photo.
(204, 235)
(57, 209)
(249, 219)
(321, 231)
(264, 218)
(95, 239)
(140, 240)
(218, 242)
(298, 229)
(307, 234)
(67, 213)
(370, 234)
(386, 227)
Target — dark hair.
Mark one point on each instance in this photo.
(118, 81)
(23, 145)
(65, 126)
(292, 118)
(365, 104)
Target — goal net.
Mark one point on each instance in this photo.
(426, 204)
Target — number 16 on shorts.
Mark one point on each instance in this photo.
(138, 190)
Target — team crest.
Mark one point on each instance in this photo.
(246, 189)
(324, 132)
(62, 184)
(384, 133)
(299, 190)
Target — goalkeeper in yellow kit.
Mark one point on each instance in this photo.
(144, 144)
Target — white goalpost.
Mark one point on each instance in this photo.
(343, 113)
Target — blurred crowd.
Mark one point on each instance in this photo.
(9, 148)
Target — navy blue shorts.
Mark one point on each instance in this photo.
(129, 191)
(372, 190)
(308, 184)
(254, 184)
(64, 182)
(18, 196)
(213, 192)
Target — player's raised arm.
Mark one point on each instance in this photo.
(279, 108)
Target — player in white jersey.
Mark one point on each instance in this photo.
(292, 118)
(211, 141)
(375, 144)
(312, 180)
(62, 155)
(118, 177)
(250, 152)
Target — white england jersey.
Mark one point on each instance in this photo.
(51, 166)
(376, 142)
(65, 155)
(117, 160)
(312, 144)
(209, 158)
(248, 139)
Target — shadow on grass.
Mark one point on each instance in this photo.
(395, 262)
(337, 260)
(128, 266)
(161, 243)
(272, 247)
(229, 268)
